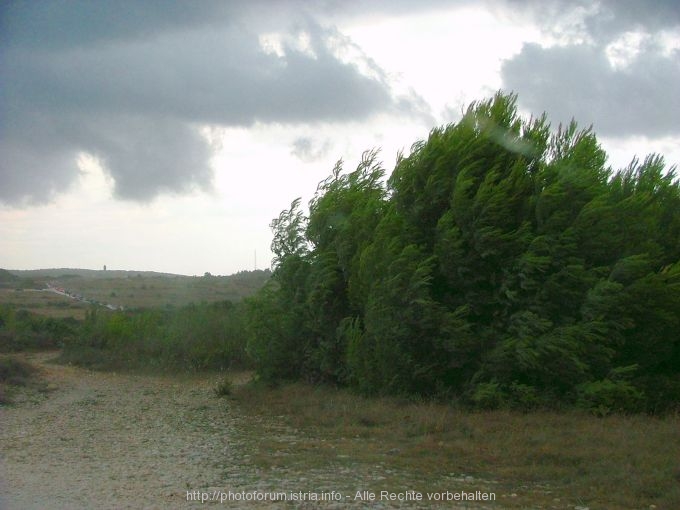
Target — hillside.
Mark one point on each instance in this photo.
(9, 280)
(7, 277)
(85, 273)
(128, 289)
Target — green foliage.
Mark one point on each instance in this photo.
(488, 395)
(275, 340)
(195, 337)
(288, 231)
(11, 281)
(501, 262)
(7, 278)
(21, 330)
(606, 396)
(15, 372)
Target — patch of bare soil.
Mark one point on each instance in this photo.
(114, 441)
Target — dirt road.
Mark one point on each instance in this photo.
(103, 440)
(107, 440)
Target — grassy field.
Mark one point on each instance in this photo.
(155, 292)
(129, 289)
(536, 460)
(44, 303)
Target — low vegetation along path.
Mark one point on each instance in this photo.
(110, 440)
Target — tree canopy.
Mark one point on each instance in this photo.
(502, 263)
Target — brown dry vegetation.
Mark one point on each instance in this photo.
(20, 380)
(536, 460)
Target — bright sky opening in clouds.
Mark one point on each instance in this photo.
(156, 136)
(450, 57)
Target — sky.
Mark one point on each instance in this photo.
(166, 135)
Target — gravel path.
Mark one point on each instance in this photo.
(107, 440)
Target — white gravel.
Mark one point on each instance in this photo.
(103, 440)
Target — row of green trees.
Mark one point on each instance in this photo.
(501, 264)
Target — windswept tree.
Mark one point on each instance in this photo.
(277, 329)
(502, 262)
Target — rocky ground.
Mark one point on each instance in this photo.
(109, 440)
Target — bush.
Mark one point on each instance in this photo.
(225, 387)
(195, 337)
(13, 373)
(488, 395)
(607, 396)
(21, 330)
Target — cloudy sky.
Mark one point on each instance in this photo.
(165, 135)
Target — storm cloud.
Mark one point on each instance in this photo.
(610, 67)
(580, 82)
(131, 83)
(600, 20)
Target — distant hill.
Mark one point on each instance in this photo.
(7, 278)
(139, 289)
(84, 273)
(65, 273)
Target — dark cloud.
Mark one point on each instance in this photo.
(617, 16)
(55, 24)
(144, 156)
(24, 174)
(579, 82)
(638, 97)
(212, 76)
(130, 82)
(600, 20)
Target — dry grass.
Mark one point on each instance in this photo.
(130, 292)
(547, 459)
(19, 379)
(45, 303)
(157, 291)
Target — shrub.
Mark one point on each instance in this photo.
(195, 337)
(13, 373)
(607, 396)
(21, 330)
(224, 387)
(488, 395)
